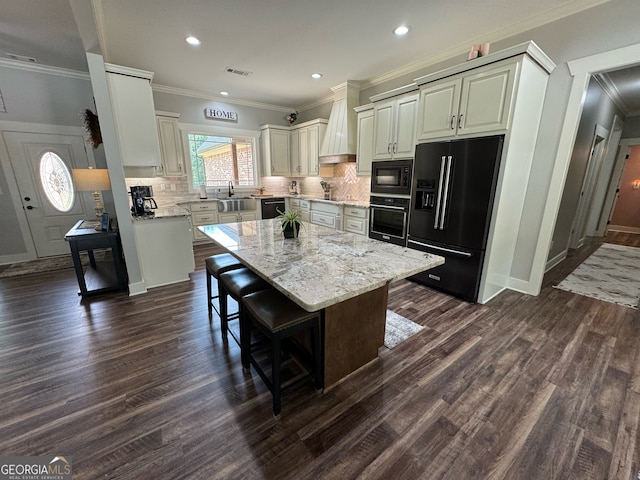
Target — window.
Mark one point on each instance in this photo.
(216, 160)
(56, 182)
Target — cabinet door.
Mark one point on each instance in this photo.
(228, 218)
(383, 130)
(135, 119)
(485, 102)
(404, 142)
(364, 152)
(439, 109)
(279, 152)
(170, 147)
(294, 152)
(313, 146)
(303, 151)
(248, 216)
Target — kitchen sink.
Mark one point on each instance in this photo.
(236, 204)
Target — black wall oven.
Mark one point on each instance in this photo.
(391, 177)
(389, 219)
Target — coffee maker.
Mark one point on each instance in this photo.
(142, 201)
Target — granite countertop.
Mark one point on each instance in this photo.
(352, 203)
(323, 266)
(164, 212)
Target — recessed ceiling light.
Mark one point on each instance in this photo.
(193, 41)
(224, 94)
(316, 75)
(401, 30)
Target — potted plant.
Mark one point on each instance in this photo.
(291, 221)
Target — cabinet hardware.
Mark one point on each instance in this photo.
(460, 120)
(453, 122)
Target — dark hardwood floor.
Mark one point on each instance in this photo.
(525, 387)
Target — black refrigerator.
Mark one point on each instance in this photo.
(454, 185)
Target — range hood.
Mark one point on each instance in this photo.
(339, 143)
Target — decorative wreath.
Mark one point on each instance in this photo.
(92, 127)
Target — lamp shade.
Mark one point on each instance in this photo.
(91, 179)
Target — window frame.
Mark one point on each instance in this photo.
(187, 129)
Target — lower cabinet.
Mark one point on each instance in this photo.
(356, 220)
(242, 216)
(326, 214)
(302, 206)
(203, 213)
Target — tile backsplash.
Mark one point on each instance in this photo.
(345, 184)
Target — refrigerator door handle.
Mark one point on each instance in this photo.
(445, 195)
(439, 192)
(442, 249)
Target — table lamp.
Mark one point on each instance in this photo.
(92, 180)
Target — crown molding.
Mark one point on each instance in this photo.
(611, 91)
(35, 67)
(207, 96)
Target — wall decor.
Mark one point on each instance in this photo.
(219, 114)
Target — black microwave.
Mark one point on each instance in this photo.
(391, 176)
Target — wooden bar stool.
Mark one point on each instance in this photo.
(236, 284)
(278, 318)
(217, 264)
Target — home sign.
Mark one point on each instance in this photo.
(218, 114)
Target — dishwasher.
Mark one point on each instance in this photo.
(272, 207)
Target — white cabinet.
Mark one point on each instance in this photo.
(203, 213)
(134, 116)
(356, 219)
(302, 206)
(305, 147)
(326, 214)
(242, 216)
(467, 104)
(165, 250)
(395, 127)
(170, 145)
(275, 150)
(364, 153)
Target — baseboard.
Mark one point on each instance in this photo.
(137, 288)
(555, 260)
(522, 286)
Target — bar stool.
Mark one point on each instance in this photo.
(217, 264)
(235, 284)
(278, 318)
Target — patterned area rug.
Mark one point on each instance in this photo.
(611, 274)
(398, 329)
(47, 264)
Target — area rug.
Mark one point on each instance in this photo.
(47, 264)
(398, 329)
(611, 274)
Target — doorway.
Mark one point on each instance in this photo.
(42, 165)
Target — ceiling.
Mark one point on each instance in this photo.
(281, 42)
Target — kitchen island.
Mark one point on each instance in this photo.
(343, 274)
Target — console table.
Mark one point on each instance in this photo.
(104, 276)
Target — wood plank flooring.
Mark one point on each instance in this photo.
(525, 387)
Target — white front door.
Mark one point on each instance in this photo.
(42, 165)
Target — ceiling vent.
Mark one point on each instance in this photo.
(21, 58)
(237, 71)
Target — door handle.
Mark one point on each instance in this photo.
(445, 196)
(460, 120)
(452, 125)
(389, 148)
(30, 207)
(395, 150)
(439, 192)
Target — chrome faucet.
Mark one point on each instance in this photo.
(230, 188)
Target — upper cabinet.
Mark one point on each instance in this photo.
(395, 127)
(467, 104)
(364, 153)
(170, 145)
(275, 150)
(134, 115)
(305, 147)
